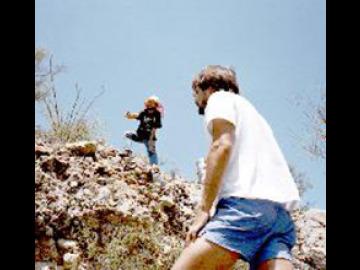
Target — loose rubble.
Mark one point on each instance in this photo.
(310, 251)
(86, 192)
(78, 182)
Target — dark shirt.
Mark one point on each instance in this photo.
(148, 122)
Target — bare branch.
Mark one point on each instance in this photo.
(314, 114)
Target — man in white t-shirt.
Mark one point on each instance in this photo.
(248, 183)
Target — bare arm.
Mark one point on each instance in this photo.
(131, 116)
(217, 161)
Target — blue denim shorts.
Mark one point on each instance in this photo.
(258, 230)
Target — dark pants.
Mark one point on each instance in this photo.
(149, 144)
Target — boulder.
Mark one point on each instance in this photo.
(71, 261)
(54, 164)
(42, 151)
(68, 245)
(83, 148)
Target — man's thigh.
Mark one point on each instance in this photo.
(277, 264)
(203, 254)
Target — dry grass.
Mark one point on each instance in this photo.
(65, 125)
(129, 246)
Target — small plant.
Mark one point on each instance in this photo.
(129, 246)
(73, 125)
(65, 126)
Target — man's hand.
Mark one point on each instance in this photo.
(131, 116)
(200, 221)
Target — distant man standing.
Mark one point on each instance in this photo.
(150, 121)
(248, 183)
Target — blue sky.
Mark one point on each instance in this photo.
(134, 49)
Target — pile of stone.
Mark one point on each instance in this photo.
(88, 185)
(76, 182)
(310, 250)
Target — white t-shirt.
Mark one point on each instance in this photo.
(257, 168)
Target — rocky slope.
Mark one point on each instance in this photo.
(310, 251)
(99, 208)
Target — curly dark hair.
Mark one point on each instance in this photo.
(218, 77)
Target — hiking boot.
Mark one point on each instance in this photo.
(128, 134)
